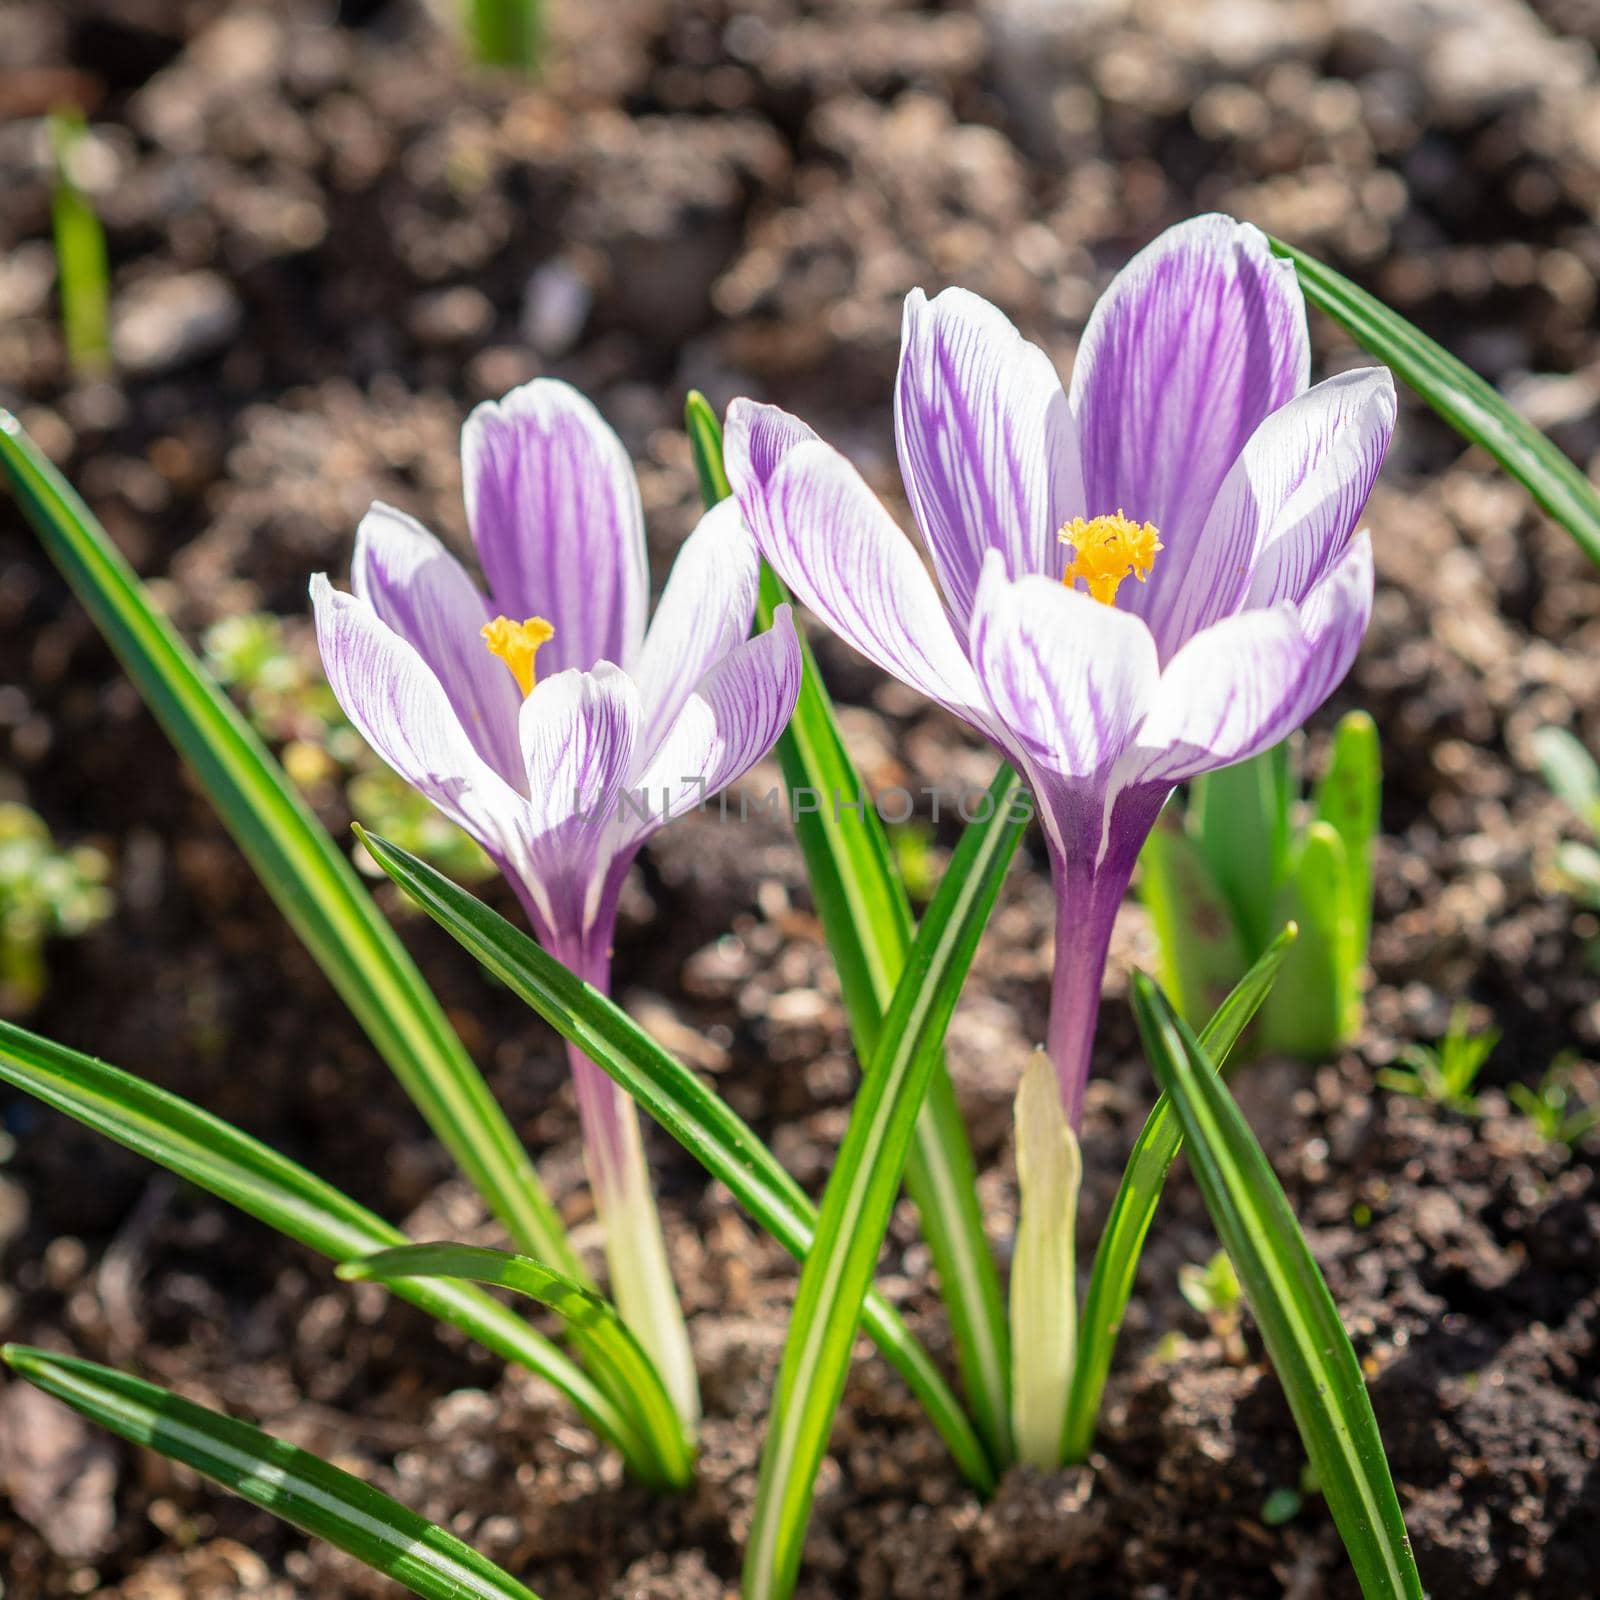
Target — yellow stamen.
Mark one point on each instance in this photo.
(1107, 550)
(517, 643)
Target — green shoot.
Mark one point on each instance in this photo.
(45, 893)
(1213, 1290)
(82, 268)
(1447, 1072)
(1549, 1106)
(1249, 855)
(505, 33)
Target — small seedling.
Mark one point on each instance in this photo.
(1447, 1072)
(505, 33)
(1549, 1105)
(82, 266)
(45, 893)
(1245, 856)
(1213, 1290)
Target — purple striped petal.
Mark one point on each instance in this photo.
(729, 723)
(579, 731)
(987, 444)
(421, 591)
(1313, 524)
(400, 708)
(1287, 507)
(1253, 678)
(1194, 344)
(704, 612)
(555, 514)
(1069, 679)
(832, 542)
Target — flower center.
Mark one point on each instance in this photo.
(516, 644)
(1106, 550)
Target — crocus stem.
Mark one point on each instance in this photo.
(636, 1251)
(1086, 911)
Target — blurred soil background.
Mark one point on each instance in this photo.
(328, 240)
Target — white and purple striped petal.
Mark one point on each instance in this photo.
(987, 444)
(398, 705)
(1197, 341)
(423, 593)
(841, 553)
(555, 514)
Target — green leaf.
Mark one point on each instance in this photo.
(1459, 395)
(1116, 1258)
(291, 1483)
(82, 270)
(506, 33)
(1305, 1016)
(1299, 1322)
(701, 1122)
(597, 1331)
(1349, 800)
(217, 1157)
(867, 925)
(1239, 815)
(860, 1196)
(314, 886)
(1199, 946)
(1569, 772)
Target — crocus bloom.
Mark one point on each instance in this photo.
(555, 728)
(1145, 576)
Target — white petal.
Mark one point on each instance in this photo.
(1069, 679)
(704, 613)
(422, 592)
(840, 552)
(400, 709)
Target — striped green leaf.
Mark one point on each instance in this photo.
(861, 1193)
(701, 1122)
(867, 925)
(314, 886)
(1459, 395)
(1299, 1322)
(291, 1483)
(217, 1157)
(597, 1331)
(1116, 1257)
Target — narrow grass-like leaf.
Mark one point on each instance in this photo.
(82, 269)
(700, 1121)
(1116, 1257)
(867, 924)
(597, 1331)
(314, 886)
(860, 1197)
(1459, 395)
(291, 1483)
(217, 1157)
(1299, 1322)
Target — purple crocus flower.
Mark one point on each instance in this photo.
(1143, 577)
(555, 728)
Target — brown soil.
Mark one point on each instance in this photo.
(327, 242)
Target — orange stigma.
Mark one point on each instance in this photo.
(516, 644)
(1107, 550)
